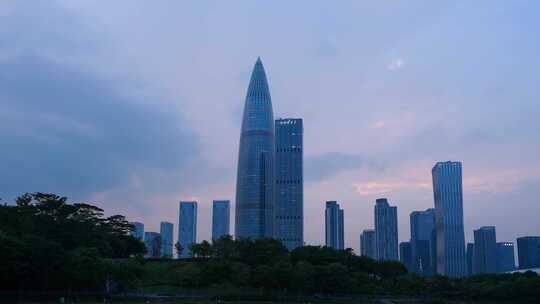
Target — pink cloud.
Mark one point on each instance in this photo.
(382, 187)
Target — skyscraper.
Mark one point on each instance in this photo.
(505, 257)
(166, 233)
(221, 214)
(367, 243)
(187, 227)
(152, 242)
(422, 230)
(528, 251)
(470, 259)
(254, 216)
(485, 250)
(448, 197)
(334, 226)
(139, 230)
(289, 183)
(386, 230)
(405, 256)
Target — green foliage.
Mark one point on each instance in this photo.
(48, 244)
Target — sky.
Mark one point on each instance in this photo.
(136, 105)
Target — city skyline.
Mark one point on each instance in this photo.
(148, 122)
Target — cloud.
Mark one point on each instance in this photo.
(74, 130)
(324, 166)
(382, 187)
(495, 182)
(397, 64)
(71, 131)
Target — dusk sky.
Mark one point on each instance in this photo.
(135, 105)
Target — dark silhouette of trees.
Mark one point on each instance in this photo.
(179, 248)
(47, 244)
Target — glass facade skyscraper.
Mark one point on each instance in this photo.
(289, 183)
(528, 251)
(138, 233)
(334, 226)
(152, 242)
(405, 255)
(386, 230)
(254, 216)
(505, 257)
(485, 250)
(448, 197)
(422, 230)
(470, 259)
(221, 214)
(166, 232)
(187, 227)
(367, 243)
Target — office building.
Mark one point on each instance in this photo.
(485, 250)
(221, 214)
(470, 259)
(405, 255)
(187, 227)
(166, 233)
(386, 230)
(422, 231)
(448, 197)
(152, 241)
(367, 243)
(289, 183)
(334, 226)
(505, 257)
(528, 251)
(254, 217)
(138, 232)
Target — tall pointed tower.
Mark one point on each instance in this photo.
(255, 177)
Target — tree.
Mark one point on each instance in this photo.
(179, 249)
(302, 277)
(48, 243)
(225, 248)
(202, 250)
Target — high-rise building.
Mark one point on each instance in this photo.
(505, 257)
(470, 259)
(485, 250)
(386, 230)
(289, 183)
(221, 214)
(367, 243)
(448, 197)
(422, 230)
(254, 217)
(341, 243)
(334, 226)
(405, 255)
(433, 251)
(187, 227)
(528, 251)
(138, 233)
(152, 241)
(166, 233)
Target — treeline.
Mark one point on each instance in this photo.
(266, 264)
(47, 244)
(228, 265)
